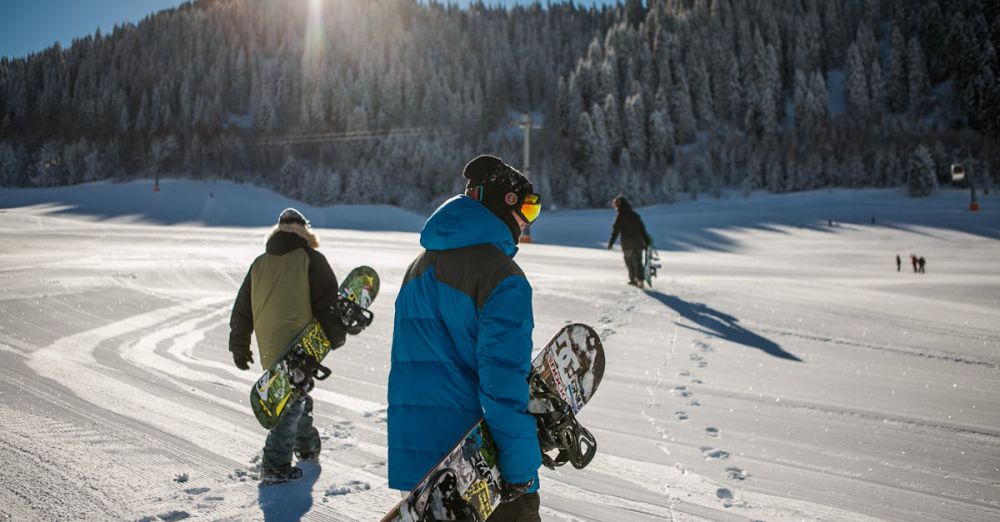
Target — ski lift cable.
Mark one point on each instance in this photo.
(352, 135)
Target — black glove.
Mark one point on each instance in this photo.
(243, 358)
(512, 491)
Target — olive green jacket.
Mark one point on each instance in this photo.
(284, 289)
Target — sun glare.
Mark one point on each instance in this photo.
(312, 52)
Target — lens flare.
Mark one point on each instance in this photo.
(313, 46)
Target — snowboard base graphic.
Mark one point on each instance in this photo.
(285, 379)
(650, 264)
(563, 378)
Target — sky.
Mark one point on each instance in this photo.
(28, 26)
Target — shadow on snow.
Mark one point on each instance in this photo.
(290, 501)
(718, 324)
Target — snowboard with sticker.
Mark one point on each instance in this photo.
(650, 264)
(466, 483)
(292, 374)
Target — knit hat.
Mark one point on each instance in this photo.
(290, 216)
(621, 203)
(293, 222)
(499, 187)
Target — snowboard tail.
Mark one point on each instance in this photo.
(467, 481)
(293, 374)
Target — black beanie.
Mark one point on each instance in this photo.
(290, 215)
(497, 180)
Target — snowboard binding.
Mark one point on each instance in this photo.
(441, 500)
(559, 430)
(353, 316)
(304, 370)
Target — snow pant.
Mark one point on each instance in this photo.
(633, 261)
(521, 509)
(294, 433)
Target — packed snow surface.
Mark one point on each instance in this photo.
(780, 368)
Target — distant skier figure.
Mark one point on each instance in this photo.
(899, 263)
(913, 261)
(284, 289)
(634, 238)
(461, 343)
(921, 262)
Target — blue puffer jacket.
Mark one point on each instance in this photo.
(461, 347)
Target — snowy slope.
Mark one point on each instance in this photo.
(780, 369)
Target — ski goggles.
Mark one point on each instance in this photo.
(531, 207)
(528, 208)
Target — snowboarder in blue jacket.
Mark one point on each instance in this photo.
(461, 345)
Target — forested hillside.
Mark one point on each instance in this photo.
(382, 101)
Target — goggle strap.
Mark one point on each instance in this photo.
(476, 192)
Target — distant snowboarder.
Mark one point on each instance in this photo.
(899, 263)
(284, 289)
(921, 262)
(461, 343)
(913, 261)
(634, 239)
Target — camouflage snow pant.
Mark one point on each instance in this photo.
(633, 261)
(294, 433)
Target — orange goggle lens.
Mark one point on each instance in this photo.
(531, 207)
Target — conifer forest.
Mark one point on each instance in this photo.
(383, 101)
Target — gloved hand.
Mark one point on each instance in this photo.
(243, 358)
(512, 491)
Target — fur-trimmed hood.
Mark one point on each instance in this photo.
(301, 231)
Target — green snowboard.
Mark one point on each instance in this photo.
(283, 381)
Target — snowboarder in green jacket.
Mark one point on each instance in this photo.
(284, 289)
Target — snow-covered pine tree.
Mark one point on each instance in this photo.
(670, 185)
(917, 81)
(48, 168)
(897, 88)
(857, 89)
(599, 173)
(876, 91)
(11, 164)
(629, 181)
(682, 110)
(635, 129)
(701, 94)
(661, 140)
(921, 180)
(808, 42)
(612, 120)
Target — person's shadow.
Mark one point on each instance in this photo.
(289, 501)
(724, 326)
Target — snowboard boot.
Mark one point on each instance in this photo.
(270, 476)
(312, 458)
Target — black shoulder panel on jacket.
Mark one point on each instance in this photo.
(323, 292)
(474, 270)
